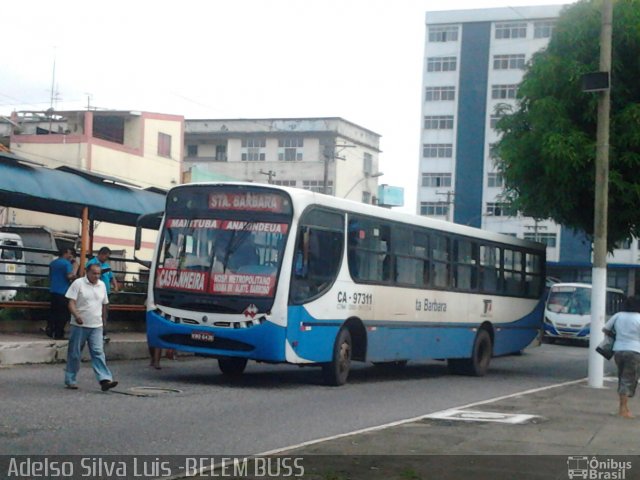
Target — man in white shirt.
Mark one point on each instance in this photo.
(88, 306)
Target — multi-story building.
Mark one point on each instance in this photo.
(473, 61)
(328, 155)
(139, 148)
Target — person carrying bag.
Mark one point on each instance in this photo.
(605, 347)
(626, 350)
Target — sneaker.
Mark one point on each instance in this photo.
(106, 339)
(107, 384)
(71, 386)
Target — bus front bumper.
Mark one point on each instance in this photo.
(263, 342)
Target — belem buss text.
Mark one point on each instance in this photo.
(97, 467)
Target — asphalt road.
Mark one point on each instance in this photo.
(270, 407)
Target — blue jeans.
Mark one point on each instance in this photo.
(79, 336)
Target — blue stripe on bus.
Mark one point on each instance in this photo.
(312, 339)
(266, 341)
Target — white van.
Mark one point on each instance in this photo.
(567, 313)
(12, 266)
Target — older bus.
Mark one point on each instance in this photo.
(12, 266)
(274, 274)
(568, 310)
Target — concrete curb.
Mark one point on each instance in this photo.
(24, 349)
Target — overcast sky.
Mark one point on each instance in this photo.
(356, 59)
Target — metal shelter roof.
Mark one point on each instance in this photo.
(66, 191)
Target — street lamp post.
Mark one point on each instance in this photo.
(599, 272)
(366, 176)
(269, 174)
(331, 153)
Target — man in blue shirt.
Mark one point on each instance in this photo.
(61, 272)
(106, 276)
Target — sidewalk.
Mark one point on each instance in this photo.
(573, 426)
(17, 349)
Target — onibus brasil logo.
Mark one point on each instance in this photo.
(597, 468)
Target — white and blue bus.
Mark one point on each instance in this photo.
(273, 274)
(568, 310)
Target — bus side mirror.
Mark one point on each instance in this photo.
(138, 240)
(149, 220)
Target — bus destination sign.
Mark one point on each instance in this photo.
(256, 285)
(254, 201)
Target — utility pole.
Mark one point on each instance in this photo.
(331, 152)
(599, 273)
(53, 93)
(450, 194)
(536, 227)
(269, 173)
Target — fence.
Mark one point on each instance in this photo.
(30, 294)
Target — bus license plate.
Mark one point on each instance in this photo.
(202, 336)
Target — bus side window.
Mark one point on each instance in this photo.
(301, 257)
(489, 268)
(317, 256)
(440, 259)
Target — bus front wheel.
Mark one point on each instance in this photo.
(336, 372)
(232, 366)
(478, 364)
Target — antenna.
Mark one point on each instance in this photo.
(53, 81)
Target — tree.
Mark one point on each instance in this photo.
(548, 145)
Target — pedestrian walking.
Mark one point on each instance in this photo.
(88, 306)
(62, 271)
(107, 276)
(154, 355)
(625, 326)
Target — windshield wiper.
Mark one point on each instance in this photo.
(235, 241)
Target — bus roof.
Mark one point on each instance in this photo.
(10, 236)
(582, 285)
(305, 198)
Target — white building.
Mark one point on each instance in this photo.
(316, 154)
(142, 149)
(473, 61)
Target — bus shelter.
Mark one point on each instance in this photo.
(77, 193)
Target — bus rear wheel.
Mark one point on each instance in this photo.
(232, 366)
(478, 364)
(336, 372)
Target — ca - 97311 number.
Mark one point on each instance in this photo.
(361, 298)
(356, 298)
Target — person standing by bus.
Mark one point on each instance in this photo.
(107, 276)
(88, 306)
(62, 271)
(625, 325)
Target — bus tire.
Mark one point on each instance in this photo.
(232, 366)
(336, 372)
(478, 364)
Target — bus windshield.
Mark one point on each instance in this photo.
(220, 256)
(7, 254)
(574, 300)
